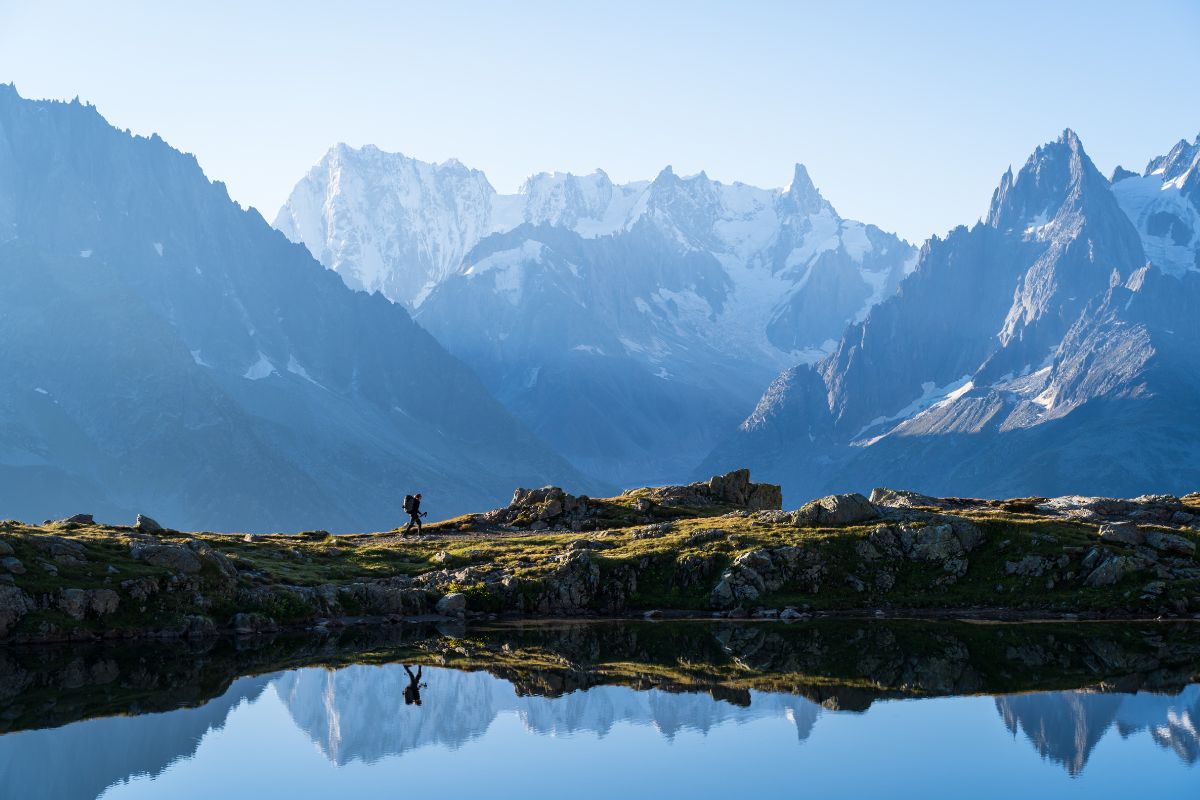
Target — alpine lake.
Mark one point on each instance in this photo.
(839, 708)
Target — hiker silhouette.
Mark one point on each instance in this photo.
(412, 692)
(412, 507)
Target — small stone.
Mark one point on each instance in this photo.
(13, 565)
(653, 614)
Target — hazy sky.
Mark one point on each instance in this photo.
(906, 114)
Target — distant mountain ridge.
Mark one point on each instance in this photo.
(628, 325)
(167, 352)
(1048, 349)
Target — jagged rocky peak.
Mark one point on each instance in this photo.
(801, 196)
(560, 198)
(1181, 158)
(1120, 174)
(1056, 173)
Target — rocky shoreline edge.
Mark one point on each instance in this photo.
(721, 549)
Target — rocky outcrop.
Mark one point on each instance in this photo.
(540, 509)
(837, 509)
(763, 571)
(732, 489)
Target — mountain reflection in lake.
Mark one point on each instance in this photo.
(847, 709)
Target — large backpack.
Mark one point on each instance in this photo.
(409, 503)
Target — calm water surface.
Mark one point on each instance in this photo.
(616, 710)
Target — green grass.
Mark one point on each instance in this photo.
(317, 558)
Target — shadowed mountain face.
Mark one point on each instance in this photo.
(1051, 349)
(628, 325)
(168, 352)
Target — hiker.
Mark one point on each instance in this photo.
(412, 507)
(412, 692)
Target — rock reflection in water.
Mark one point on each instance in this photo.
(77, 720)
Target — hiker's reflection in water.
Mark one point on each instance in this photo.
(412, 692)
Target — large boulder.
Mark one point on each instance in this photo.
(452, 605)
(72, 602)
(1171, 543)
(174, 557)
(146, 524)
(1111, 570)
(14, 604)
(1122, 533)
(838, 509)
(103, 601)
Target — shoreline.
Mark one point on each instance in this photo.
(720, 549)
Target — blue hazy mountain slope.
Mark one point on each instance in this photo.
(166, 351)
(1040, 352)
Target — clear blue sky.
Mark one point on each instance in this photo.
(905, 113)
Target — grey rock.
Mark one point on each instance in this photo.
(146, 524)
(840, 509)
(722, 595)
(103, 601)
(1112, 570)
(1171, 543)
(168, 556)
(73, 602)
(936, 543)
(452, 605)
(79, 519)
(57, 546)
(13, 565)
(6, 549)
(901, 498)
(14, 604)
(1031, 566)
(1122, 533)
